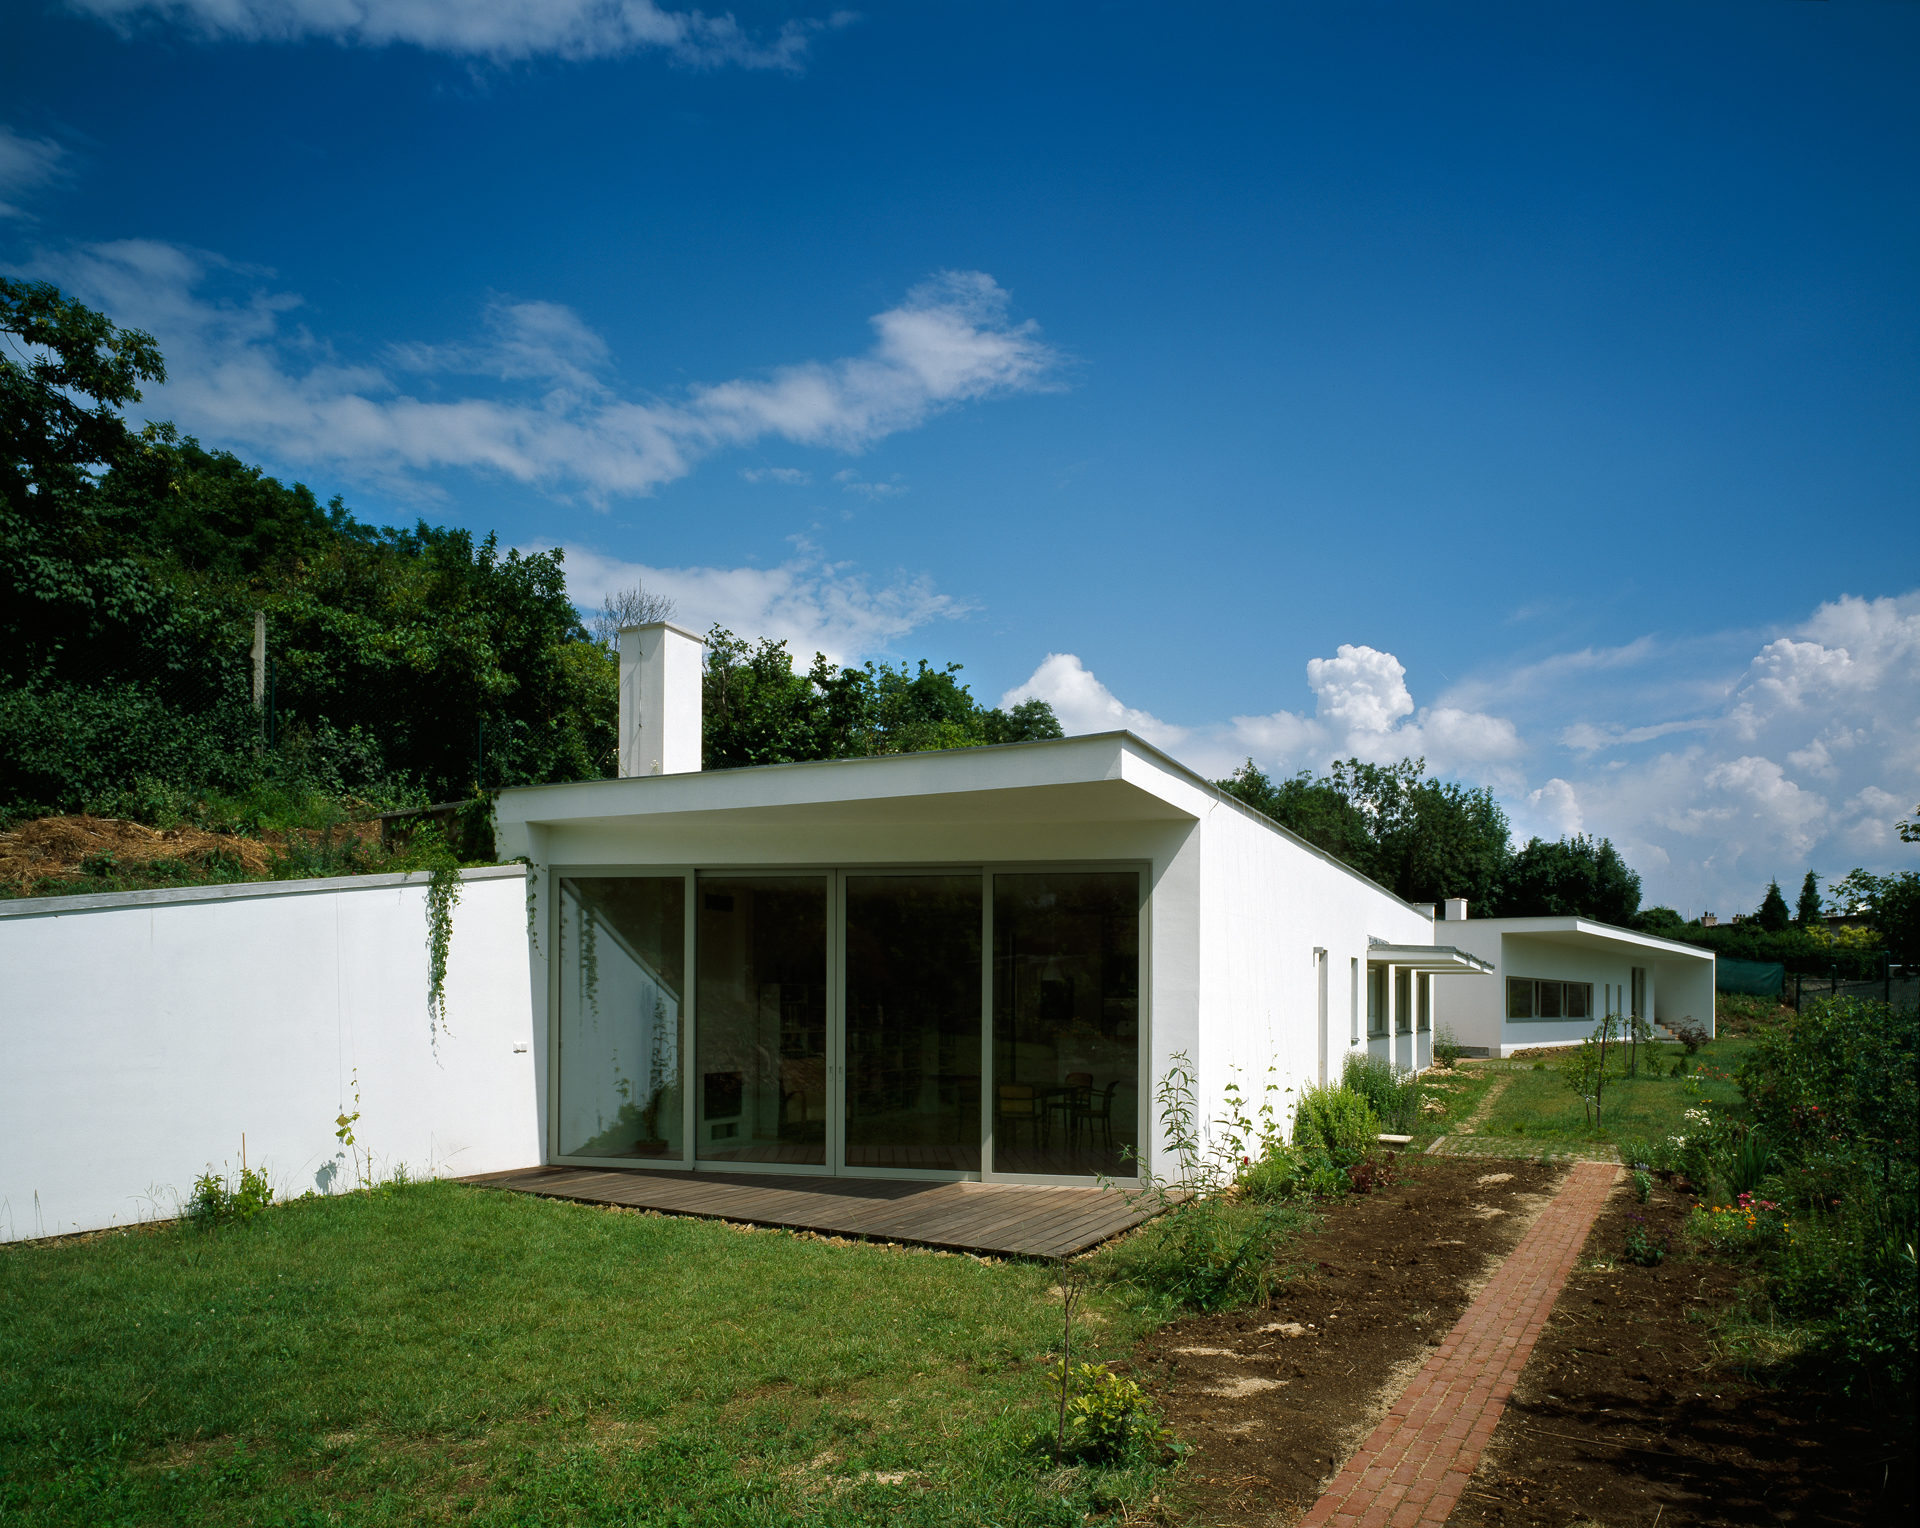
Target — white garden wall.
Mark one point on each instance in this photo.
(142, 1032)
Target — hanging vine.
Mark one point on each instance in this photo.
(443, 895)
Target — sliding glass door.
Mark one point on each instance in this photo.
(760, 1002)
(938, 1022)
(912, 1033)
(1066, 1022)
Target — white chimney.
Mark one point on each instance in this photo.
(659, 700)
(1456, 910)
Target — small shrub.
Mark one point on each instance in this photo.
(1336, 1121)
(1373, 1173)
(1109, 1419)
(1690, 1035)
(1447, 1049)
(1642, 1186)
(216, 1202)
(1643, 1249)
(1393, 1097)
(1280, 1174)
(1210, 1253)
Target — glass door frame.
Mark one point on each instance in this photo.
(835, 877)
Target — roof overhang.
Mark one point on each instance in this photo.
(1586, 934)
(1429, 959)
(1103, 779)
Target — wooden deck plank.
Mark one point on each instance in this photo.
(1004, 1219)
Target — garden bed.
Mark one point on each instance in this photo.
(1268, 1415)
(1627, 1411)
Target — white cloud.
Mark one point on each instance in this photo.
(499, 30)
(792, 477)
(1085, 705)
(1360, 690)
(851, 482)
(26, 164)
(1801, 757)
(813, 604)
(243, 374)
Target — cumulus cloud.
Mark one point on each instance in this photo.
(498, 30)
(810, 602)
(1800, 754)
(243, 372)
(26, 164)
(1085, 705)
(1810, 755)
(1363, 709)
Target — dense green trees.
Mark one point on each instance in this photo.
(1419, 837)
(403, 664)
(760, 710)
(1579, 875)
(1426, 840)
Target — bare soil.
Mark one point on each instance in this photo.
(1271, 1400)
(58, 849)
(1626, 1415)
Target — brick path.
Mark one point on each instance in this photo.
(1411, 1471)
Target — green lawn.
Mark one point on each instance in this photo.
(436, 1352)
(1537, 1104)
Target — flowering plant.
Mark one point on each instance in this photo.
(1747, 1224)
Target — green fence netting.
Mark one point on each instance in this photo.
(1750, 978)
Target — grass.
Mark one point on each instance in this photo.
(1460, 1093)
(1538, 1106)
(444, 1353)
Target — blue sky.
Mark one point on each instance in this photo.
(1530, 387)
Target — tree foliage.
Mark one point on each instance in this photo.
(1423, 839)
(760, 709)
(1807, 910)
(1582, 876)
(1773, 915)
(405, 664)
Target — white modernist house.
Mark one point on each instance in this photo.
(970, 964)
(1556, 978)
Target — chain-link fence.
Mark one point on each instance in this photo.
(1895, 985)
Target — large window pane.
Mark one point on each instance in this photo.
(622, 960)
(1519, 997)
(913, 1021)
(1066, 1021)
(761, 1008)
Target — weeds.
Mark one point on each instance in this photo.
(218, 1201)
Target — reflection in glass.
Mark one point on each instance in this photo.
(761, 945)
(622, 959)
(913, 1021)
(1066, 1022)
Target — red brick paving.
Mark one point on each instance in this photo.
(1411, 1471)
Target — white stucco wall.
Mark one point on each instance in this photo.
(141, 1033)
(1267, 903)
(1679, 980)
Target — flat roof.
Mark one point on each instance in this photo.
(1560, 926)
(875, 777)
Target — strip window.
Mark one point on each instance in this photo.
(1528, 998)
(1376, 1001)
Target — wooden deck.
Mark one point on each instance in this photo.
(1001, 1218)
